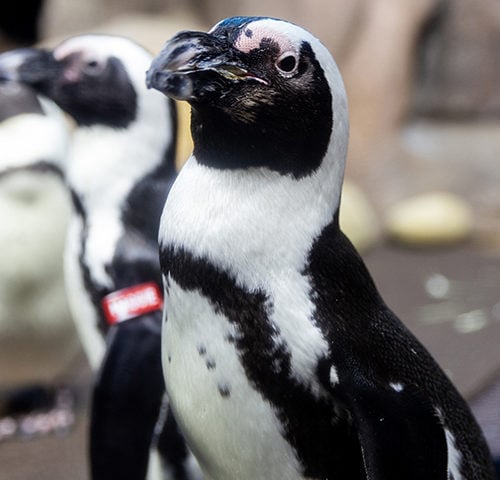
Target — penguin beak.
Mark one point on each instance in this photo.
(186, 59)
(31, 66)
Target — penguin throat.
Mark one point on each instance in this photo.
(288, 142)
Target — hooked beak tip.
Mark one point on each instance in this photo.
(155, 79)
(178, 87)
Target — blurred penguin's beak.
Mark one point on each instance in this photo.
(31, 66)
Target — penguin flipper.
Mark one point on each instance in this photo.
(126, 400)
(400, 434)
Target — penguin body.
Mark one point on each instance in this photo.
(37, 337)
(120, 165)
(281, 359)
(119, 169)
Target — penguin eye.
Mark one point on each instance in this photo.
(93, 67)
(287, 63)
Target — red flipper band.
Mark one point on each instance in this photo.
(132, 302)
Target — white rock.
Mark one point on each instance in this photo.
(434, 218)
(358, 219)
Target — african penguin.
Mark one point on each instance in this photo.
(281, 359)
(37, 337)
(119, 169)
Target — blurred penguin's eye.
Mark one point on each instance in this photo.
(287, 64)
(93, 67)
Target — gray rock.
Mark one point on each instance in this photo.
(459, 64)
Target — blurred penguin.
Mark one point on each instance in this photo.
(37, 337)
(119, 170)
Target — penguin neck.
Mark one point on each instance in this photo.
(33, 141)
(277, 137)
(118, 180)
(106, 163)
(255, 223)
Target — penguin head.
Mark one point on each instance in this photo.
(264, 93)
(96, 79)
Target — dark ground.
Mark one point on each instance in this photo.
(449, 298)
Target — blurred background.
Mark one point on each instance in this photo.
(421, 200)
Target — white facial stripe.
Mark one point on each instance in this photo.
(86, 46)
(101, 47)
(73, 46)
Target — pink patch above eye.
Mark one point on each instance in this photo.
(71, 75)
(251, 37)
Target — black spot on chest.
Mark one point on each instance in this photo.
(210, 363)
(224, 390)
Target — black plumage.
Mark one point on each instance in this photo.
(259, 274)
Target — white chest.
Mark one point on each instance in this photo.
(231, 428)
(257, 227)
